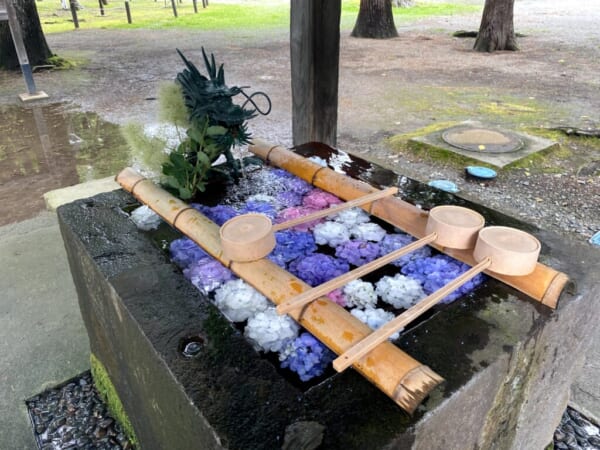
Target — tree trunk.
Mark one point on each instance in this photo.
(375, 20)
(35, 42)
(496, 31)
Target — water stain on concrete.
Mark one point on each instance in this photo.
(44, 147)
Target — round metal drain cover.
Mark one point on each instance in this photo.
(482, 140)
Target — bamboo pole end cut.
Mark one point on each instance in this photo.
(415, 386)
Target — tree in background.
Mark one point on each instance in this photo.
(496, 31)
(35, 42)
(375, 20)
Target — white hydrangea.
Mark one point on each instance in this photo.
(399, 291)
(368, 232)
(351, 217)
(239, 301)
(145, 219)
(331, 233)
(269, 331)
(360, 294)
(375, 318)
(263, 198)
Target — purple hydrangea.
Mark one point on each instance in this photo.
(207, 274)
(260, 207)
(298, 185)
(289, 198)
(184, 252)
(306, 356)
(293, 244)
(318, 268)
(218, 214)
(392, 242)
(357, 252)
(282, 173)
(437, 271)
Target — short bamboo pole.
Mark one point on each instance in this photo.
(404, 379)
(544, 284)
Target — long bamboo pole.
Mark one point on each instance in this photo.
(404, 379)
(544, 284)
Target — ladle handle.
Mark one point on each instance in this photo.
(325, 288)
(336, 208)
(363, 347)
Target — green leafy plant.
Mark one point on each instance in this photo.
(215, 125)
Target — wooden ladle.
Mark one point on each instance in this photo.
(447, 225)
(500, 249)
(252, 236)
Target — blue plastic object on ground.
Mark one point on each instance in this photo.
(595, 239)
(444, 185)
(481, 172)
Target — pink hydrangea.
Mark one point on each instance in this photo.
(295, 212)
(337, 296)
(319, 199)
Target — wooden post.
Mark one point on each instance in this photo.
(128, 12)
(74, 13)
(174, 8)
(315, 45)
(195, 6)
(101, 7)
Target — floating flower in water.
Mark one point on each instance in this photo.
(399, 291)
(184, 252)
(281, 173)
(337, 296)
(260, 207)
(437, 271)
(351, 217)
(375, 318)
(295, 212)
(318, 268)
(357, 252)
(331, 233)
(360, 294)
(291, 182)
(269, 331)
(145, 219)
(292, 244)
(289, 198)
(395, 241)
(319, 199)
(239, 301)
(264, 198)
(218, 214)
(368, 232)
(207, 274)
(306, 356)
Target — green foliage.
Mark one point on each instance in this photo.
(147, 151)
(109, 395)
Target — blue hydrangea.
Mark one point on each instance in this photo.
(318, 268)
(260, 207)
(357, 252)
(289, 198)
(292, 244)
(392, 242)
(436, 271)
(207, 274)
(185, 252)
(218, 214)
(306, 356)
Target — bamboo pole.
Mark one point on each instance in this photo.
(404, 379)
(544, 284)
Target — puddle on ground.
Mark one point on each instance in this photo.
(49, 147)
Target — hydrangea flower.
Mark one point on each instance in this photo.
(318, 268)
(337, 296)
(357, 252)
(289, 198)
(218, 214)
(145, 219)
(368, 232)
(399, 291)
(290, 182)
(319, 199)
(375, 318)
(331, 233)
(292, 244)
(306, 356)
(360, 294)
(269, 331)
(295, 212)
(281, 173)
(239, 301)
(207, 274)
(260, 207)
(395, 241)
(437, 271)
(184, 252)
(351, 217)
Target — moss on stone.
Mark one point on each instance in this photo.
(109, 395)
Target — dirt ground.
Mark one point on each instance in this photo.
(423, 78)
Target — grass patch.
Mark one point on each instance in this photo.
(254, 15)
